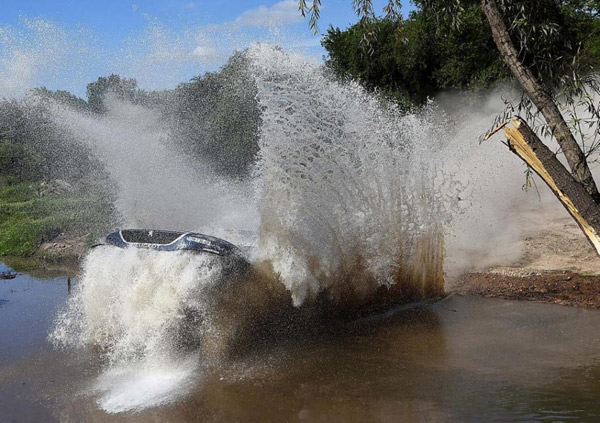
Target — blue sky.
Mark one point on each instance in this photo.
(66, 43)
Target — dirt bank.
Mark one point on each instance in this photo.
(565, 288)
(557, 266)
(64, 247)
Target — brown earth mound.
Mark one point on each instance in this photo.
(558, 265)
(558, 287)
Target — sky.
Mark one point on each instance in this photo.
(64, 44)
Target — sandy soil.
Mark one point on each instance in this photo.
(558, 265)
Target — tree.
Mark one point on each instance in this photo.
(33, 143)
(522, 31)
(61, 97)
(410, 60)
(217, 117)
(123, 88)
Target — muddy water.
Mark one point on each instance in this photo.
(463, 359)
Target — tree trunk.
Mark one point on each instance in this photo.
(542, 100)
(574, 197)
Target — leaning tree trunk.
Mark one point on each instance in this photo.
(542, 100)
(574, 197)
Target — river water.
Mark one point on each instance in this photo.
(460, 359)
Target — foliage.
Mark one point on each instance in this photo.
(448, 45)
(217, 119)
(565, 65)
(549, 34)
(363, 8)
(19, 161)
(411, 61)
(122, 88)
(31, 138)
(214, 117)
(35, 152)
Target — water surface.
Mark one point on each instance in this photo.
(463, 359)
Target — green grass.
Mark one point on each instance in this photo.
(27, 219)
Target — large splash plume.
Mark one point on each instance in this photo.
(355, 204)
(143, 312)
(350, 198)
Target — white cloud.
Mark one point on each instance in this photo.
(284, 12)
(162, 45)
(202, 54)
(190, 5)
(205, 53)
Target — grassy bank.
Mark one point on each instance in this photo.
(30, 215)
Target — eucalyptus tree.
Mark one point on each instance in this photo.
(559, 89)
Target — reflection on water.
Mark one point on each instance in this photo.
(26, 304)
(463, 359)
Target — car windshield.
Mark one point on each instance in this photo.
(143, 236)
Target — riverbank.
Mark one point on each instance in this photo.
(557, 266)
(51, 221)
(559, 287)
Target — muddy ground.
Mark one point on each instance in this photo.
(560, 287)
(557, 265)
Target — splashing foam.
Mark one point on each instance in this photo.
(158, 319)
(138, 312)
(136, 387)
(350, 214)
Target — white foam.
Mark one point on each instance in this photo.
(134, 388)
(132, 303)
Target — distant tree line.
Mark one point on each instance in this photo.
(33, 148)
(214, 118)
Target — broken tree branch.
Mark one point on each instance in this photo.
(574, 197)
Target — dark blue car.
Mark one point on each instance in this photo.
(170, 241)
(176, 241)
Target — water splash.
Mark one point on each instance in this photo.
(352, 216)
(130, 387)
(348, 201)
(145, 314)
(158, 187)
(38, 52)
(350, 198)
(346, 198)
